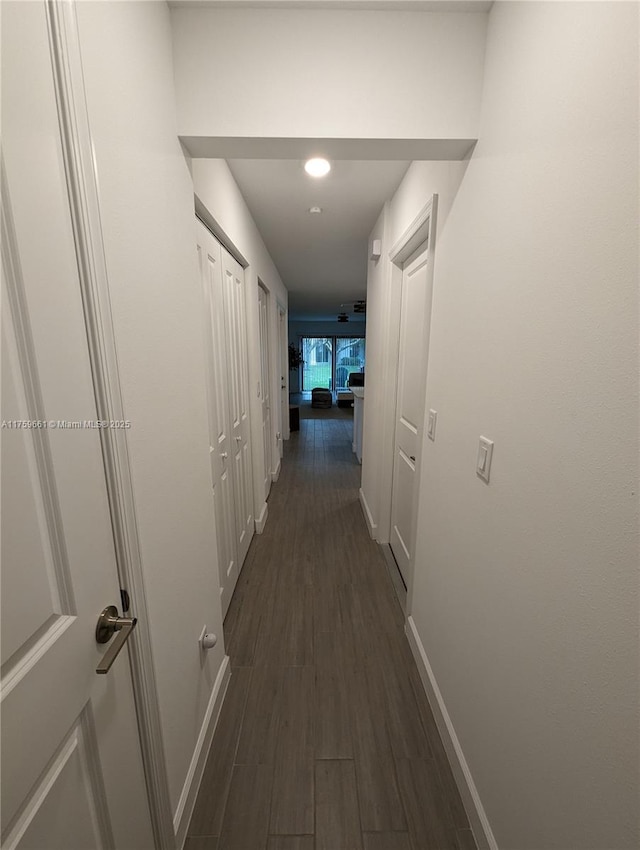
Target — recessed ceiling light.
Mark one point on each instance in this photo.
(317, 167)
(315, 210)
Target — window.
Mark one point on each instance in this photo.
(328, 361)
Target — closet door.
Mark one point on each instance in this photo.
(238, 385)
(220, 453)
(264, 390)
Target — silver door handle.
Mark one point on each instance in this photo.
(108, 624)
(224, 455)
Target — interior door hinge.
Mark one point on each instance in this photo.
(125, 600)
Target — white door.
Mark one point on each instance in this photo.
(237, 372)
(220, 453)
(264, 388)
(72, 773)
(415, 323)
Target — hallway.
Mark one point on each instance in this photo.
(325, 730)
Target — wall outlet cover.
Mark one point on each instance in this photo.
(431, 424)
(485, 454)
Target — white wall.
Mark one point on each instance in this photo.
(217, 190)
(379, 400)
(327, 73)
(146, 199)
(526, 590)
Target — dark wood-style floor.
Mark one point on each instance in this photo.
(325, 739)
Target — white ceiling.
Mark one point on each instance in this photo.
(321, 258)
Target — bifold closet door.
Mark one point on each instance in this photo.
(220, 453)
(238, 394)
(264, 390)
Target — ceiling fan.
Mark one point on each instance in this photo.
(359, 306)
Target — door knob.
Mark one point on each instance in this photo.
(224, 455)
(238, 439)
(108, 624)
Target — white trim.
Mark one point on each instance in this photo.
(473, 805)
(203, 215)
(275, 474)
(415, 234)
(187, 801)
(371, 525)
(84, 203)
(261, 521)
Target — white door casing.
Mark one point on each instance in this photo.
(264, 389)
(72, 768)
(220, 453)
(238, 386)
(416, 285)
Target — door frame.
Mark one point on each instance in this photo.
(84, 202)
(421, 229)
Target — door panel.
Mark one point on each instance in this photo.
(227, 387)
(69, 794)
(72, 770)
(220, 453)
(233, 290)
(415, 321)
(264, 389)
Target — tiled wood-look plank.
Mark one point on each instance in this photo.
(286, 638)
(210, 803)
(386, 841)
(259, 734)
(465, 839)
(246, 817)
(452, 796)
(337, 816)
(429, 825)
(201, 842)
(406, 732)
(380, 804)
(290, 842)
(332, 712)
(292, 797)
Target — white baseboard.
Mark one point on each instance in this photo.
(471, 799)
(371, 525)
(187, 800)
(276, 472)
(261, 521)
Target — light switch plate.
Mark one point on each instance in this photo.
(431, 425)
(485, 453)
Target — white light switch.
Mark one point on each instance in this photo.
(485, 453)
(431, 425)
